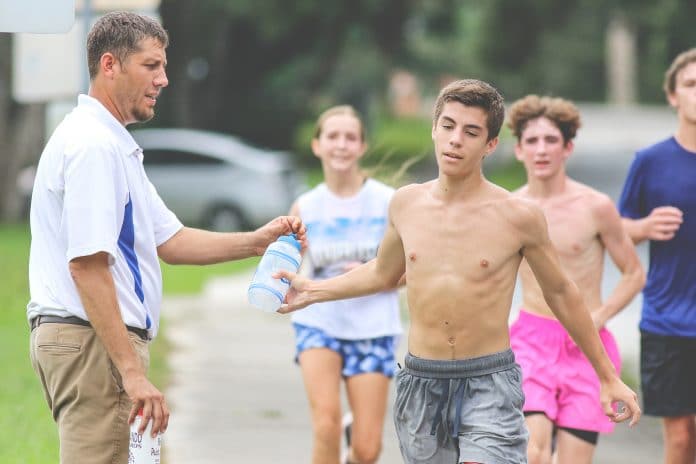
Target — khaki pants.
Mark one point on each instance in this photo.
(84, 391)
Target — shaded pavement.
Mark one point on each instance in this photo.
(236, 394)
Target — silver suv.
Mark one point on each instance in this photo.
(216, 181)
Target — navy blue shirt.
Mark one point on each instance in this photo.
(665, 175)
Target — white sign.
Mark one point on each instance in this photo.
(37, 16)
(48, 66)
(54, 66)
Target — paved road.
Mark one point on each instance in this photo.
(236, 395)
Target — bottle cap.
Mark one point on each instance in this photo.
(292, 240)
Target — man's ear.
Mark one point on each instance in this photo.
(107, 63)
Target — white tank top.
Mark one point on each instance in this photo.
(341, 231)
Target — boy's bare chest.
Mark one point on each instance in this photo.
(468, 242)
(572, 231)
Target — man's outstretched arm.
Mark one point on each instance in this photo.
(197, 246)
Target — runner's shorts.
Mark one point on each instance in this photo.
(359, 356)
(557, 378)
(467, 410)
(668, 374)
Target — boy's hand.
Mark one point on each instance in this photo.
(298, 295)
(662, 223)
(616, 391)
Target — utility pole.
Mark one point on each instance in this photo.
(621, 60)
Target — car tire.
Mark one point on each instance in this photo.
(225, 219)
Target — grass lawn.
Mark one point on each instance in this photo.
(28, 432)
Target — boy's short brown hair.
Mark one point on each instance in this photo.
(479, 94)
(563, 113)
(679, 63)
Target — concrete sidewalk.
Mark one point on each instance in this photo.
(237, 396)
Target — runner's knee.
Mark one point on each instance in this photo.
(326, 427)
(538, 453)
(366, 452)
(681, 436)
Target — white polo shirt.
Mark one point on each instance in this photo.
(91, 194)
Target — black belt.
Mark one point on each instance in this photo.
(38, 320)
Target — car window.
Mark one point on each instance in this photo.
(154, 157)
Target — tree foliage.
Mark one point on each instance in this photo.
(553, 47)
(261, 68)
(257, 68)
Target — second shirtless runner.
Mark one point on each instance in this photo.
(460, 240)
(560, 387)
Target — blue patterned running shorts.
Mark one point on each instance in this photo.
(359, 356)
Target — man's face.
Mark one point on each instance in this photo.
(138, 82)
(460, 137)
(541, 149)
(684, 96)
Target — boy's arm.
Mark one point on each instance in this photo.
(623, 254)
(382, 273)
(565, 300)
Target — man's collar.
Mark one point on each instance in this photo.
(126, 143)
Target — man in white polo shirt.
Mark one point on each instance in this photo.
(98, 228)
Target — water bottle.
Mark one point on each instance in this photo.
(143, 449)
(265, 292)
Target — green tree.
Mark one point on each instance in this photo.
(546, 46)
(258, 68)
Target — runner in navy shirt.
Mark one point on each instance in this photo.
(659, 204)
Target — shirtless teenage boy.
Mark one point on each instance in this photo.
(561, 389)
(460, 240)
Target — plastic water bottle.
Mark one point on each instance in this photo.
(265, 292)
(143, 449)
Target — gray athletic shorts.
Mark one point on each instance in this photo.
(467, 410)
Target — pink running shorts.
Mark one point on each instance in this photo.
(557, 378)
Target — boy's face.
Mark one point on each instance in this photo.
(541, 149)
(684, 96)
(460, 136)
